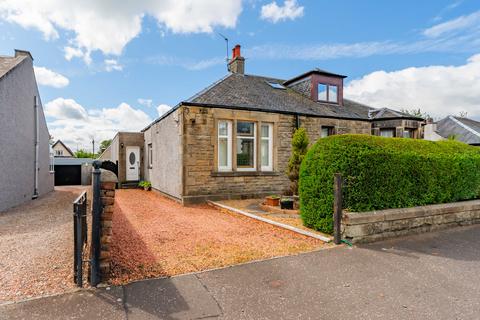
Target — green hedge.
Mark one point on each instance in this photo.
(383, 173)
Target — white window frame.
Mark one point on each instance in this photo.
(392, 130)
(270, 147)
(254, 138)
(228, 167)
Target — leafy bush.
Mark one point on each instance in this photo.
(145, 184)
(299, 150)
(383, 173)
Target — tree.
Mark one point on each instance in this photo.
(84, 154)
(416, 113)
(300, 144)
(104, 145)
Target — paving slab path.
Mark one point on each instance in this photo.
(429, 276)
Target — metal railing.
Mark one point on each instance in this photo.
(79, 236)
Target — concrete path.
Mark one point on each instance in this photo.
(430, 276)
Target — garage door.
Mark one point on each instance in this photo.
(68, 175)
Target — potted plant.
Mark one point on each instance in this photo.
(146, 185)
(286, 203)
(272, 200)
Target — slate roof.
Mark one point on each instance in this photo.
(8, 63)
(251, 92)
(386, 113)
(464, 129)
(254, 93)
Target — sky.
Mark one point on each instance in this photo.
(105, 66)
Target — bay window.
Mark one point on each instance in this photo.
(266, 147)
(237, 145)
(224, 145)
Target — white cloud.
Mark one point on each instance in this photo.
(108, 26)
(47, 77)
(437, 90)
(145, 102)
(112, 65)
(461, 23)
(186, 63)
(73, 124)
(163, 108)
(275, 13)
(65, 109)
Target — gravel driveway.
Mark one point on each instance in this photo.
(155, 236)
(36, 246)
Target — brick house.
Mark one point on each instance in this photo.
(233, 138)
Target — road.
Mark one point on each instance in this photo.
(429, 276)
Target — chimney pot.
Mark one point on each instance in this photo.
(236, 51)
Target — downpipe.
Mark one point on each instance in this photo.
(37, 142)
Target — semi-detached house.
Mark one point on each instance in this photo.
(233, 139)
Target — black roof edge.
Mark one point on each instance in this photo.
(166, 114)
(396, 118)
(220, 106)
(318, 71)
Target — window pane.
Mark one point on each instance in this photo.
(223, 152)
(322, 92)
(265, 149)
(265, 130)
(245, 152)
(245, 128)
(389, 133)
(408, 133)
(222, 128)
(332, 93)
(325, 132)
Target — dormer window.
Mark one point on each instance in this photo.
(327, 92)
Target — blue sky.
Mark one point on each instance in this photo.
(105, 66)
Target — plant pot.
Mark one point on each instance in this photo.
(272, 201)
(146, 188)
(286, 204)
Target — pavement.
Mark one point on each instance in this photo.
(428, 276)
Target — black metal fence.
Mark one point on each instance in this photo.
(79, 236)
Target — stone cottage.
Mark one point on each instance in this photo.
(233, 138)
(25, 164)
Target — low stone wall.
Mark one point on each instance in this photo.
(360, 227)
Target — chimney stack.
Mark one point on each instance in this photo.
(237, 63)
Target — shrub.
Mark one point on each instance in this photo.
(299, 150)
(145, 184)
(383, 173)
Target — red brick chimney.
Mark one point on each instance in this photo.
(237, 63)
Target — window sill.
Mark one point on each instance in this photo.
(243, 173)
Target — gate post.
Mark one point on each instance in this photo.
(96, 212)
(337, 208)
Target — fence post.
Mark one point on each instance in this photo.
(337, 208)
(96, 212)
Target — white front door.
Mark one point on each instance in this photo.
(133, 163)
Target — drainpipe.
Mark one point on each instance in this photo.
(297, 121)
(37, 133)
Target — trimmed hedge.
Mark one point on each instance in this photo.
(383, 173)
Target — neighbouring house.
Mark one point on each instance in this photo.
(458, 128)
(126, 151)
(25, 163)
(233, 139)
(61, 150)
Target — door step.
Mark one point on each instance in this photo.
(130, 185)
